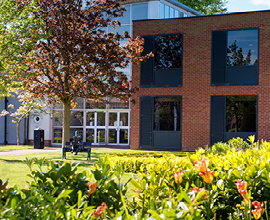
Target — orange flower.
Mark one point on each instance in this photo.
(202, 165)
(242, 189)
(208, 176)
(259, 205)
(256, 213)
(100, 211)
(92, 188)
(178, 176)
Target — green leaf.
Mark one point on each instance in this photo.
(64, 193)
(154, 214)
(97, 174)
(79, 198)
(13, 203)
(135, 184)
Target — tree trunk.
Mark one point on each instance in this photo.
(66, 123)
(18, 133)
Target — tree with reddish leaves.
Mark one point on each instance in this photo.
(78, 58)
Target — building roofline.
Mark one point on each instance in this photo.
(185, 7)
(225, 14)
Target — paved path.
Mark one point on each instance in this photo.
(29, 151)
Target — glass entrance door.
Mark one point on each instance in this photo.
(118, 127)
(96, 127)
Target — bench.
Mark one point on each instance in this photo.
(68, 148)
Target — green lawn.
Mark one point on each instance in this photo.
(15, 169)
(57, 156)
(15, 147)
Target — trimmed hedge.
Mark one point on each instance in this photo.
(150, 154)
(134, 164)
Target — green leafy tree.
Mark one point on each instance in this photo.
(207, 7)
(17, 41)
(78, 58)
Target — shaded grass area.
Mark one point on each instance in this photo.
(15, 147)
(57, 156)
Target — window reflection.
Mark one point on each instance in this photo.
(167, 11)
(241, 113)
(123, 119)
(168, 51)
(242, 48)
(90, 119)
(94, 104)
(167, 113)
(139, 11)
(162, 10)
(57, 135)
(100, 118)
(90, 134)
(57, 118)
(76, 118)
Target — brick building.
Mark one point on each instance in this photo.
(209, 81)
(107, 124)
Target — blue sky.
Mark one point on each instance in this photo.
(247, 5)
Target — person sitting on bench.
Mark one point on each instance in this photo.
(76, 145)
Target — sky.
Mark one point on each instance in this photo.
(247, 5)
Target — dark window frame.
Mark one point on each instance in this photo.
(151, 137)
(225, 133)
(156, 73)
(159, 114)
(226, 102)
(224, 63)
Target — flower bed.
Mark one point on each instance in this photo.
(204, 185)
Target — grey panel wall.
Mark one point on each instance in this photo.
(146, 121)
(219, 55)
(168, 77)
(11, 134)
(147, 67)
(244, 135)
(167, 140)
(242, 75)
(217, 124)
(2, 122)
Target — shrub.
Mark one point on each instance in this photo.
(148, 154)
(135, 164)
(61, 192)
(201, 186)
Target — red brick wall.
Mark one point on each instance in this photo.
(196, 89)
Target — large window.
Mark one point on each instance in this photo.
(233, 116)
(167, 114)
(168, 12)
(160, 122)
(139, 11)
(241, 113)
(235, 57)
(242, 48)
(165, 69)
(168, 51)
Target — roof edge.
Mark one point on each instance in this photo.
(185, 7)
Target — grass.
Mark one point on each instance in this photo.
(15, 147)
(16, 170)
(57, 156)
